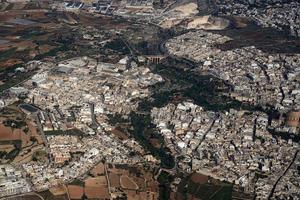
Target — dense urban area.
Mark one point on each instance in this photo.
(150, 99)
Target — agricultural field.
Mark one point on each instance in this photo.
(75, 191)
(133, 182)
(128, 183)
(106, 180)
(30, 32)
(19, 137)
(98, 170)
(48, 195)
(26, 197)
(96, 188)
(198, 186)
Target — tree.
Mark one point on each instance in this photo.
(33, 139)
(26, 130)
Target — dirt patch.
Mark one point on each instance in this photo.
(98, 170)
(208, 23)
(114, 180)
(7, 147)
(135, 195)
(95, 182)
(199, 178)
(100, 192)
(75, 191)
(119, 134)
(28, 135)
(10, 63)
(21, 46)
(96, 188)
(59, 190)
(9, 134)
(128, 183)
(140, 182)
(18, 6)
(188, 9)
(152, 186)
(44, 48)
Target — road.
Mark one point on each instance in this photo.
(285, 171)
(108, 182)
(95, 123)
(206, 132)
(22, 195)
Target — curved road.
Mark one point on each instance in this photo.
(22, 195)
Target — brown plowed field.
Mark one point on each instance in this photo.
(75, 191)
(98, 170)
(95, 182)
(100, 192)
(199, 178)
(114, 180)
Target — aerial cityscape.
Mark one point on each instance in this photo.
(150, 100)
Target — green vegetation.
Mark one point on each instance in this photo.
(32, 33)
(19, 77)
(164, 180)
(77, 182)
(214, 192)
(204, 90)
(3, 154)
(16, 143)
(33, 139)
(7, 53)
(15, 123)
(40, 156)
(75, 132)
(118, 45)
(116, 119)
(52, 52)
(142, 132)
(211, 190)
(13, 153)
